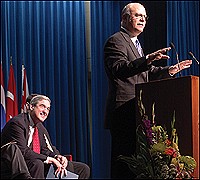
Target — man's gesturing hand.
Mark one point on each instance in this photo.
(157, 55)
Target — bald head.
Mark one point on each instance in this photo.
(131, 8)
(133, 18)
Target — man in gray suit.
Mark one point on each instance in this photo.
(126, 65)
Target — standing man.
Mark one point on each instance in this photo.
(39, 153)
(126, 65)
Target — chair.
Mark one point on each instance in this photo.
(69, 157)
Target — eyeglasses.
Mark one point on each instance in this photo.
(42, 106)
(140, 16)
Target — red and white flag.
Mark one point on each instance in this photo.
(3, 101)
(11, 96)
(25, 91)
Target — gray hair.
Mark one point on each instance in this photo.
(125, 10)
(38, 98)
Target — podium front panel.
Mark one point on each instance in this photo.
(182, 96)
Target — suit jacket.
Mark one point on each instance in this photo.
(125, 68)
(17, 129)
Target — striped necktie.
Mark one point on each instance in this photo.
(36, 141)
(138, 47)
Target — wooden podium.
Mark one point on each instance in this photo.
(182, 96)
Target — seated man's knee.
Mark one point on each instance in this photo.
(13, 164)
(36, 168)
(37, 163)
(82, 170)
(9, 151)
(86, 171)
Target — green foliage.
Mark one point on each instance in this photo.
(157, 156)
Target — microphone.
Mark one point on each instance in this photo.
(192, 55)
(177, 58)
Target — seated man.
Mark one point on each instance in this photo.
(41, 154)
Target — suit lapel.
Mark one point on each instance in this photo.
(27, 124)
(132, 46)
(126, 36)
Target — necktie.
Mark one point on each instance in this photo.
(36, 141)
(138, 47)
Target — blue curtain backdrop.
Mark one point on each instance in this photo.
(183, 31)
(105, 20)
(49, 39)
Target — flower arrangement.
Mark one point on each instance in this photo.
(157, 155)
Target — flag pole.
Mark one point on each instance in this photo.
(11, 60)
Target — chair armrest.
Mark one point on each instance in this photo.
(69, 157)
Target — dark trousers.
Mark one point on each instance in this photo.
(39, 170)
(13, 165)
(123, 134)
(79, 168)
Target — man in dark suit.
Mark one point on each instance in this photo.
(21, 130)
(126, 65)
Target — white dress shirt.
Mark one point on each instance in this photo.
(31, 131)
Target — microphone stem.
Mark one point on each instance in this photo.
(196, 60)
(178, 64)
(193, 57)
